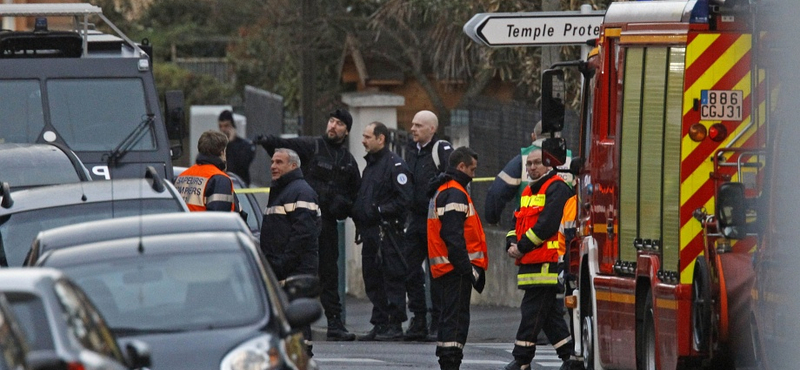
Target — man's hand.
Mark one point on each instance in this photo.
(513, 252)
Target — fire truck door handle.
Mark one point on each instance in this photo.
(610, 227)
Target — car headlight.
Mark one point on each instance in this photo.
(255, 354)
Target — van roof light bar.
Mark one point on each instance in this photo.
(67, 10)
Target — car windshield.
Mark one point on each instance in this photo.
(21, 174)
(175, 292)
(29, 310)
(87, 114)
(18, 231)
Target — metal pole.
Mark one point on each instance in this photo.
(307, 69)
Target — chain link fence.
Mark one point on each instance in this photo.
(496, 131)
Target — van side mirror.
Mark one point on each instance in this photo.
(174, 114)
(553, 96)
(554, 152)
(731, 210)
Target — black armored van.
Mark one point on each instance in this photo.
(62, 81)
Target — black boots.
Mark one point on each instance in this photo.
(516, 365)
(417, 329)
(392, 332)
(337, 332)
(448, 364)
(373, 333)
(384, 332)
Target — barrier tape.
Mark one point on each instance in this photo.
(266, 190)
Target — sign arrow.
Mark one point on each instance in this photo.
(534, 28)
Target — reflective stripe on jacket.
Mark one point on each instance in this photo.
(474, 236)
(530, 206)
(193, 184)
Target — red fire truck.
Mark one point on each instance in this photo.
(675, 105)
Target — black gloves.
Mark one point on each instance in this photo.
(340, 207)
(260, 139)
(478, 278)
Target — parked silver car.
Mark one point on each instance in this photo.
(201, 300)
(24, 213)
(56, 316)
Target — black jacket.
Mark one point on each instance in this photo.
(239, 155)
(385, 190)
(423, 170)
(329, 167)
(452, 232)
(504, 188)
(291, 227)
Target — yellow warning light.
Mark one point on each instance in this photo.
(698, 132)
(571, 301)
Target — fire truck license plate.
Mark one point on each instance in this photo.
(721, 105)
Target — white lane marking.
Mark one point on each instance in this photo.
(343, 359)
(484, 362)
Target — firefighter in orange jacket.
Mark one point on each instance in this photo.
(205, 186)
(457, 253)
(535, 246)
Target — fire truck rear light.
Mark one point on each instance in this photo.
(571, 301)
(697, 132)
(717, 132)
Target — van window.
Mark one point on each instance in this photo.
(97, 114)
(21, 113)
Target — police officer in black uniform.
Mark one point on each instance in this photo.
(378, 213)
(333, 173)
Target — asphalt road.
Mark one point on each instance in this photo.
(489, 344)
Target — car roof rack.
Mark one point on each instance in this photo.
(80, 13)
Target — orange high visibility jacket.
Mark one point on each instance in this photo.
(568, 221)
(192, 184)
(531, 205)
(474, 236)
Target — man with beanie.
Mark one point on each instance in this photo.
(205, 186)
(240, 152)
(457, 253)
(333, 173)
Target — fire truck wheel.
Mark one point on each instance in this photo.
(587, 344)
(701, 305)
(648, 357)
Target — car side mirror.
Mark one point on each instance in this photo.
(553, 97)
(302, 286)
(554, 152)
(137, 354)
(731, 210)
(302, 312)
(174, 114)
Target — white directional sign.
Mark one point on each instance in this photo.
(534, 28)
